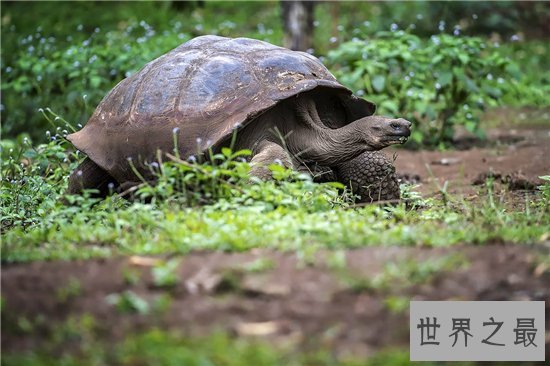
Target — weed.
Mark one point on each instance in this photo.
(403, 274)
(165, 273)
(259, 265)
(71, 290)
(128, 302)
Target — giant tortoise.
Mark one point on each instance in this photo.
(211, 91)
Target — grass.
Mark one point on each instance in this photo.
(398, 275)
(159, 347)
(217, 207)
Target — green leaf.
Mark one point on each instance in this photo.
(493, 92)
(463, 58)
(471, 126)
(459, 73)
(95, 81)
(390, 106)
(471, 85)
(378, 83)
(445, 78)
(226, 152)
(437, 59)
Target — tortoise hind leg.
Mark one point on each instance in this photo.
(371, 176)
(88, 175)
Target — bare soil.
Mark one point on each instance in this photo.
(515, 156)
(296, 303)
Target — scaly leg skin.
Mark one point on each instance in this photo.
(265, 154)
(371, 176)
(88, 175)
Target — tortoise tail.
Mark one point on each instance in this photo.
(88, 175)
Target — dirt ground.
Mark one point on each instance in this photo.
(513, 155)
(293, 302)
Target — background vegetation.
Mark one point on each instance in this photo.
(68, 59)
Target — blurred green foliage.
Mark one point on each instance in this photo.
(67, 56)
(163, 348)
(437, 83)
(78, 52)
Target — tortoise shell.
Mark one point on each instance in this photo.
(200, 91)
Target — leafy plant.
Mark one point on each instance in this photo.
(128, 302)
(405, 273)
(165, 273)
(440, 83)
(224, 182)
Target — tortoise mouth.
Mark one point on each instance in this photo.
(397, 138)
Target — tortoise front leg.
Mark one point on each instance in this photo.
(265, 154)
(88, 175)
(371, 176)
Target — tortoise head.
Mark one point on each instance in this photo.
(379, 132)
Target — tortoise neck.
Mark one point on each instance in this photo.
(327, 146)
